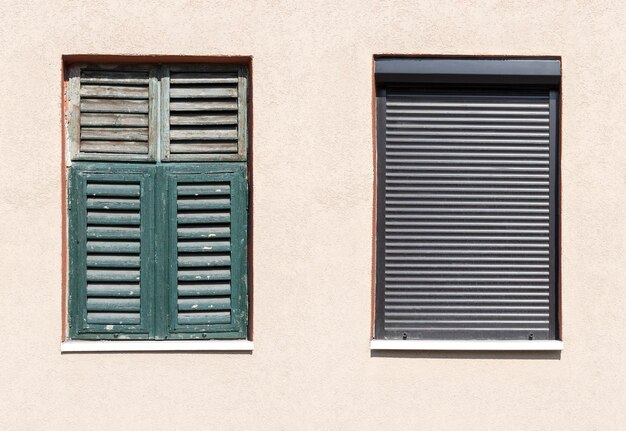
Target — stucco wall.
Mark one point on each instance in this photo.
(312, 368)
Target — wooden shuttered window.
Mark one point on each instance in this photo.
(158, 252)
(467, 215)
(180, 112)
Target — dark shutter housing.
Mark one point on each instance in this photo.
(467, 215)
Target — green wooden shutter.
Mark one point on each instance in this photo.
(111, 225)
(112, 112)
(204, 112)
(206, 240)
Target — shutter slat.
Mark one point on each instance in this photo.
(204, 304)
(113, 290)
(113, 304)
(203, 246)
(117, 134)
(467, 218)
(216, 289)
(202, 120)
(191, 148)
(203, 78)
(114, 147)
(201, 92)
(118, 120)
(203, 318)
(113, 91)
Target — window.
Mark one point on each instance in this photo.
(157, 201)
(467, 199)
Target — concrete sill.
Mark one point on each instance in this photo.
(157, 346)
(487, 345)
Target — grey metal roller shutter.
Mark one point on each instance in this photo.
(467, 186)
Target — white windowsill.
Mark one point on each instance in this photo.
(487, 345)
(158, 346)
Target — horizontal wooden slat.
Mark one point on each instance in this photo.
(113, 218)
(202, 105)
(115, 106)
(96, 261)
(193, 289)
(203, 78)
(110, 77)
(113, 304)
(105, 203)
(203, 318)
(203, 147)
(113, 189)
(203, 204)
(114, 318)
(203, 261)
(206, 274)
(102, 232)
(203, 133)
(195, 218)
(113, 92)
(203, 304)
(112, 275)
(113, 133)
(113, 290)
(117, 147)
(122, 247)
(202, 120)
(203, 189)
(203, 246)
(208, 92)
(116, 120)
(203, 232)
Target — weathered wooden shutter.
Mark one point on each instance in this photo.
(111, 224)
(466, 213)
(112, 112)
(207, 243)
(204, 112)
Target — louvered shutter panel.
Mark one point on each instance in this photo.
(207, 233)
(112, 112)
(111, 251)
(204, 112)
(466, 214)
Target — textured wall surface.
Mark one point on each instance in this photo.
(312, 368)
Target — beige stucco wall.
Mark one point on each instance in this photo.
(312, 368)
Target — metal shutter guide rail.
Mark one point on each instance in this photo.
(475, 345)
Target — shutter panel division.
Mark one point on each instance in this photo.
(207, 251)
(112, 112)
(466, 213)
(111, 251)
(204, 112)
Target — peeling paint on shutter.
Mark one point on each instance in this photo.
(207, 251)
(112, 112)
(111, 224)
(205, 112)
(466, 214)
